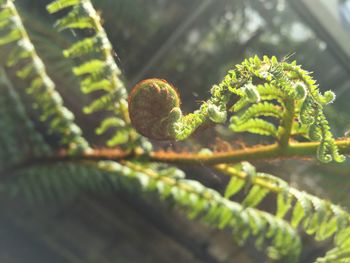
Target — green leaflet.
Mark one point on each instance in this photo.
(104, 102)
(284, 203)
(120, 137)
(91, 67)
(13, 35)
(261, 109)
(255, 196)
(234, 186)
(103, 84)
(80, 17)
(319, 218)
(255, 125)
(301, 209)
(109, 123)
(87, 46)
(58, 5)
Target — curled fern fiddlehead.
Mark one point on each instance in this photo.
(155, 112)
(266, 88)
(154, 108)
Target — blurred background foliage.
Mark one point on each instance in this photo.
(192, 44)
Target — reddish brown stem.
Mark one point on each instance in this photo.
(260, 152)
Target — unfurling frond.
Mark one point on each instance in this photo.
(41, 89)
(267, 89)
(295, 100)
(98, 70)
(154, 107)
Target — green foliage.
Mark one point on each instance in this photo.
(97, 68)
(341, 253)
(60, 182)
(318, 217)
(18, 136)
(41, 88)
(266, 88)
(275, 98)
(261, 83)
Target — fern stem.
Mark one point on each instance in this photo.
(65, 156)
(263, 152)
(287, 123)
(254, 153)
(260, 152)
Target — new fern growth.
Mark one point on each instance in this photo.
(260, 96)
(154, 109)
(258, 83)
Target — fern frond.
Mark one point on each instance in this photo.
(99, 74)
(318, 217)
(62, 181)
(294, 90)
(219, 212)
(267, 88)
(41, 89)
(18, 137)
